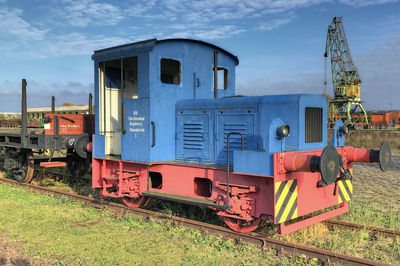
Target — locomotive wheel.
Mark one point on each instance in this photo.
(241, 226)
(135, 202)
(25, 173)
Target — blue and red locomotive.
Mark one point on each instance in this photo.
(169, 126)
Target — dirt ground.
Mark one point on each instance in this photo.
(10, 254)
(370, 183)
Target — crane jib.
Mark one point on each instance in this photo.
(345, 78)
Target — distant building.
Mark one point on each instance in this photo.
(38, 112)
(8, 115)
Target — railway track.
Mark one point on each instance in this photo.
(372, 229)
(261, 241)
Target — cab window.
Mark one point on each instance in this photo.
(170, 71)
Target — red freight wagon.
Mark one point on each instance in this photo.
(69, 124)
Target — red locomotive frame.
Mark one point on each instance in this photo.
(282, 198)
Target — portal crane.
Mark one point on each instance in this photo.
(345, 77)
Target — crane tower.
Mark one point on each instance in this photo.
(345, 77)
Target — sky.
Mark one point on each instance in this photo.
(279, 43)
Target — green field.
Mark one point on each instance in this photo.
(63, 232)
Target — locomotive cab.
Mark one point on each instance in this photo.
(137, 86)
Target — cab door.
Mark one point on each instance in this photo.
(118, 82)
(111, 107)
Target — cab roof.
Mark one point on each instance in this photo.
(149, 44)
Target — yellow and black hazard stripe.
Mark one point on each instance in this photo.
(345, 188)
(285, 201)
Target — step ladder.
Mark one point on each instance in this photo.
(185, 199)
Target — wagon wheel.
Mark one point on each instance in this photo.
(135, 202)
(241, 226)
(25, 173)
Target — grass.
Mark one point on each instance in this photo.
(356, 243)
(352, 242)
(64, 232)
(375, 202)
(365, 212)
(372, 138)
(80, 226)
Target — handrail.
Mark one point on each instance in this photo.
(227, 158)
(154, 133)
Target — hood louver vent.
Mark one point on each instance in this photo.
(193, 135)
(313, 124)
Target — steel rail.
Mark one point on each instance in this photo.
(263, 242)
(373, 229)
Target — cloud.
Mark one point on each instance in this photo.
(11, 22)
(380, 74)
(362, 3)
(273, 24)
(378, 69)
(39, 94)
(82, 13)
(281, 84)
(66, 35)
(63, 45)
(81, 44)
(217, 10)
(78, 44)
(208, 33)
(42, 99)
(232, 16)
(140, 9)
